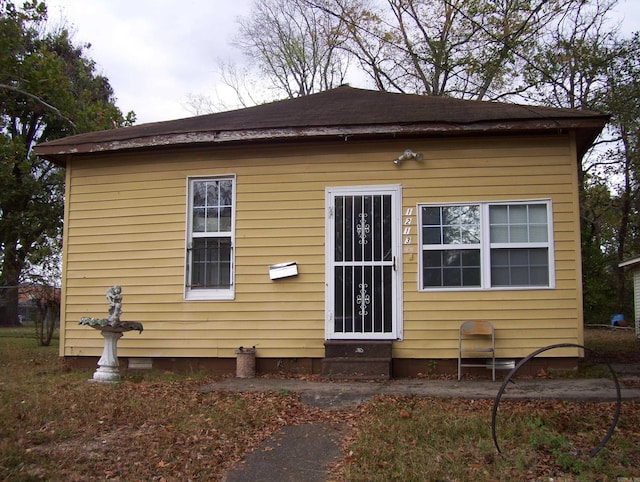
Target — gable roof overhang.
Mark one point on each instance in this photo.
(345, 113)
(633, 263)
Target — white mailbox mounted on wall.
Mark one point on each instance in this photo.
(283, 270)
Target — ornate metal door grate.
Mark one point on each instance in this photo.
(363, 264)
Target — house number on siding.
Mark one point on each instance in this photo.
(407, 241)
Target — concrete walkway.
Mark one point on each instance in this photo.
(296, 453)
(327, 394)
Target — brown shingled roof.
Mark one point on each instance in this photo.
(343, 111)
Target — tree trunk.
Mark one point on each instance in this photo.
(9, 297)
(48, 309)
(9, 290)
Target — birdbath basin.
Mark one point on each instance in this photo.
(111, 329)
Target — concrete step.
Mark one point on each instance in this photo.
(360, 368)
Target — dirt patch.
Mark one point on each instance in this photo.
(613, 346)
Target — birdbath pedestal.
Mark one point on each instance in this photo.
(111, 329)
(108, 370)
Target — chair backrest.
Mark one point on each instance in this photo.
(476, 327)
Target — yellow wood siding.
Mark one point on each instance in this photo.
(126, 220)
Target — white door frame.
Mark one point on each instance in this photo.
(395, 262)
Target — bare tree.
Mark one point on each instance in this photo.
(474, 49)
(296, 48)
(568, 67)
(241, 87)
(290, 49)
(47, 304)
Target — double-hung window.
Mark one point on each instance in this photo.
(451, 250)
(209, 273)
(486, 245)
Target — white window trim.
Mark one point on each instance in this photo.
(486, 246)
(208, 294)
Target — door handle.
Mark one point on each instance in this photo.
(394, 263)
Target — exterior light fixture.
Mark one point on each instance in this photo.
(406, 155)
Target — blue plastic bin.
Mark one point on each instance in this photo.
(615, 319)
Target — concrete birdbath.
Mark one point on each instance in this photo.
(111, 329)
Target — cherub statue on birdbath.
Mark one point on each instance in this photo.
(111, 329)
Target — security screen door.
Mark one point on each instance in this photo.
(363, 291)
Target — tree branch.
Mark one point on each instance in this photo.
(40, 101)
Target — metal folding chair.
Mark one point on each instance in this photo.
(474, 339)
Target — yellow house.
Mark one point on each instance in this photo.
(338, 222)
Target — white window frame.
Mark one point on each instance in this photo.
(209, 293)
(486, 246)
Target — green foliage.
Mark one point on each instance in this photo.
(48, 89)
(598, 251)
(611, 186)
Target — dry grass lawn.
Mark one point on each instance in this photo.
(160, 426)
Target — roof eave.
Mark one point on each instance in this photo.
(589, 127)
(630, 263)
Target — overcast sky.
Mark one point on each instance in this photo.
(156, 53)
